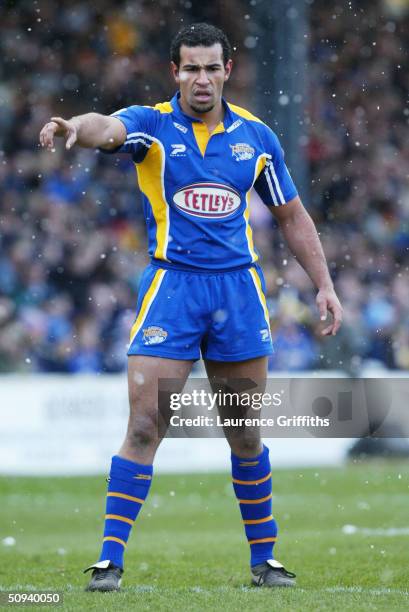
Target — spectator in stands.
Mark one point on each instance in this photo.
(71, 234)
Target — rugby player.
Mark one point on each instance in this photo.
(197, 158)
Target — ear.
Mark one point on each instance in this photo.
(228, 68)
(175, 72)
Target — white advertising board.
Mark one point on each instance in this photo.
(57, 424)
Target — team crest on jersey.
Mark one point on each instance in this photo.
(211, 200)
(242, 151)
(154, 335)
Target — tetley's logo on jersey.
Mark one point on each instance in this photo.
(207, 200)
(242, 151)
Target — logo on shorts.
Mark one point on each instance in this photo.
(211, 200)
(265, 335)
(154, 335)
(242, 151)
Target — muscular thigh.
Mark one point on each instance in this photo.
(251, 368)
(143, 375)
(244, 376)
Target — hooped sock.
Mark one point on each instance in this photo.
(128, 487)
(252, 485)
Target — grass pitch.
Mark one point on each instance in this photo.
(188, 550)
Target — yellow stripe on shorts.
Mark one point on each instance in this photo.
(146, 303)
(260, 293)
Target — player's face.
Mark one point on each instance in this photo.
(201, 75)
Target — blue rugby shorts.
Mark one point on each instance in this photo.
(222, 315)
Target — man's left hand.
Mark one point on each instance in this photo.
(327, 301)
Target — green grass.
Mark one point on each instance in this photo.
(188, 550)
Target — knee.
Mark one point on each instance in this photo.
(143, 432)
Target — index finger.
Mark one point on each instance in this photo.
(47, 133)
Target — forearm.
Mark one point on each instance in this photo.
(92, 130)
(302, 238)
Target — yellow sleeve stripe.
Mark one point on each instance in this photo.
(262, 540)
(252, 482)
(258, 521)
(151, 173)
(116, 517)
(256, 501)
(124, 496)
(146, 303)
(114, 539)
(242, 112)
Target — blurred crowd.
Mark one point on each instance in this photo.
(72, 241)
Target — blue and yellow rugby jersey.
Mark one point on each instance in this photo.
(196, 188)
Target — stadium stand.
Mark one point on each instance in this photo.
(72, 244)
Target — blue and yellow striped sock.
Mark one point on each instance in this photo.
(252, 486)
(128, 487)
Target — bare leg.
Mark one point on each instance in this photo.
(129, 484)
(142, 439)
(244, 442)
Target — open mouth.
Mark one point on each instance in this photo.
(202, 96)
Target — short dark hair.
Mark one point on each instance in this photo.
(199, 35)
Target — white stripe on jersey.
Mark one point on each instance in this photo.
(270, 185)
(277, 184)
(133, 134)
(147, 144)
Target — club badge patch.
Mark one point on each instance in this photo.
(154, 335)
(242, 151)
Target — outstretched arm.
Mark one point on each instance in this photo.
(301, 235)
(90, 130)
